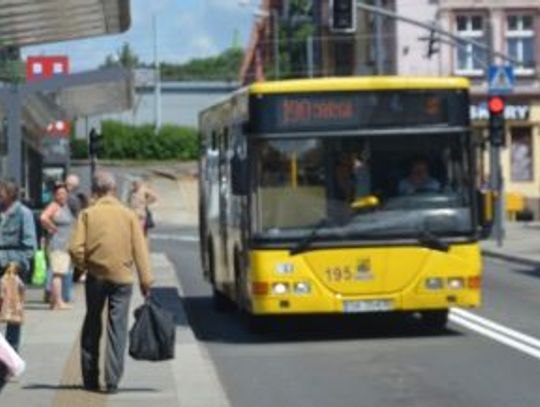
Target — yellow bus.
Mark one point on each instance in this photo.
(341, 195)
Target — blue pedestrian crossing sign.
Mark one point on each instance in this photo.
(501, 79)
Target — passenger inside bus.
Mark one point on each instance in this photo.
(419, 179)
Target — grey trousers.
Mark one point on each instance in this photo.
(98, 292)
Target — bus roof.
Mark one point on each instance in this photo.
(353, 83)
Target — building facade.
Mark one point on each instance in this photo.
(180, 104)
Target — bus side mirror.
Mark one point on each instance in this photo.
(239, 176)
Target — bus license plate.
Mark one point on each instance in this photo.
(368, 306)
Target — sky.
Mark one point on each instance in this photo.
(186, 29)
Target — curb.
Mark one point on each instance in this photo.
(511, 258)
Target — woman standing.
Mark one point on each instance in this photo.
(58, 220)
(140, 198)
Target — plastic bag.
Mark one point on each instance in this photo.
(153, 334)
(15, 365)
(149, 219)
(39, 277)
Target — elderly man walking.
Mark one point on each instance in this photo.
(108, 242)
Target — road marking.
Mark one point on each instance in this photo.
(174, 237)
(499, 333)
(512, 333)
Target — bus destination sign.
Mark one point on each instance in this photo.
(355, 110)
(299, 111)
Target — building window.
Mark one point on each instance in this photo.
(471, 59)
(520, 41)
(521, 154)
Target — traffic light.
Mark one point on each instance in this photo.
(432, 41)
(95, 144)
(497, 132)
(343, 16)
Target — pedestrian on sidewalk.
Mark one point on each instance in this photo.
(74, 201)
(58, 220)
(140, 199)
(12, 295)
(17, 243)
(108, 241)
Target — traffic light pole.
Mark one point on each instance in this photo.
(93, 166)
(495, 173)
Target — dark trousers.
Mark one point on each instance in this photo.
(13, 335)
(118, 296)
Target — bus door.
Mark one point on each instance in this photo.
(224, 196)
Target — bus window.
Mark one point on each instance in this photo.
(303, 182)
(292, 169)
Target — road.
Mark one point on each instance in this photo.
(366, 361)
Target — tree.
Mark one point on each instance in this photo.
(294, 31)
(224, 66)
(125, 56)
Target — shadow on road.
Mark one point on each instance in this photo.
(212, 326)
(529, 272)
(168, 298)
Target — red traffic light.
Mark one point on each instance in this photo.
(496, 105)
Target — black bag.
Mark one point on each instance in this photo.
(153, 334)
(149, 222)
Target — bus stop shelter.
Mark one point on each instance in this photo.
(34, 22)
(61, 98)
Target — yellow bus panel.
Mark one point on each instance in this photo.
(359, 83)
(405, 278)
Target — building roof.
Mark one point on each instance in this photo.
(31, 22)
(359, 83)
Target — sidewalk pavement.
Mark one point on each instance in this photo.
(521, 244)
(50, 345)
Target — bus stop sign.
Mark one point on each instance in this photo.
(501, 79)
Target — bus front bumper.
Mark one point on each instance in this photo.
(339, 304)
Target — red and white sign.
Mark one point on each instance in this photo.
(45, 67)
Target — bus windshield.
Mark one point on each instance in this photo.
(372, 187)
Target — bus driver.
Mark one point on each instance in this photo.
(419, 179)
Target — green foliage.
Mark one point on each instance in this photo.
(124, 141)
(224, 66)
(125, 56)
(294, 31)
(79, 148)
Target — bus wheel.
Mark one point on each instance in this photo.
(221, 302)
(435, 320)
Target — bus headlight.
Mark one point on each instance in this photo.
(434, 283)
(456, 283)
(280, 288)
(302, 288)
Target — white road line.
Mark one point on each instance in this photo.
(173, 237)
(529, 350)
(503, 330)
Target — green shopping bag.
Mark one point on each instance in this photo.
(39, 277)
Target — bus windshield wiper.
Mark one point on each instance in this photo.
(431, 241)
(306, 242)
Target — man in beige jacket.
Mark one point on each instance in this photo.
(108, 242)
